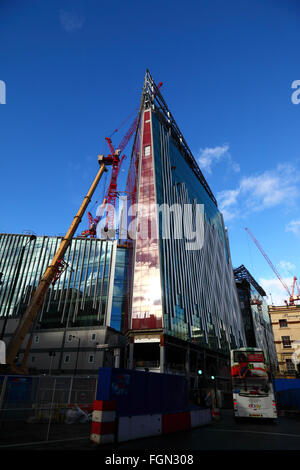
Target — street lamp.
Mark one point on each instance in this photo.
(16, 276)
(78, 347)
(213, 378)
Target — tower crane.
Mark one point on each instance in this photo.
(91, 231)
(110, 198)
(292, 296)
(298, 289)
(116, 161)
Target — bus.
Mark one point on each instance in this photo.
(252, 388)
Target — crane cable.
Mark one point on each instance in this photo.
(105, 188)
(125, 120)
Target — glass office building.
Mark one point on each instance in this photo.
(183, 289)
(255, 314)
(91, 291)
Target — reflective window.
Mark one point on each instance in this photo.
(146, 295)
(186, 279)
(78, 297)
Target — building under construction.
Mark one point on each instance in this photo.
(255, 314)
(182, 311)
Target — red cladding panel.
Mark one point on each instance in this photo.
(103, 428)
(176, 422)
(104, 405)
(148, 323)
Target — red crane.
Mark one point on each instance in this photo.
(115, 161)
(292, 297)
(91, 231)
(298, 289)
(112, 193)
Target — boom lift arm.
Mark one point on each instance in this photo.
(43, 286)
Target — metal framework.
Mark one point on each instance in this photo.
(241, 273)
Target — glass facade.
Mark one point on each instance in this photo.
(255, 314)
(146, 311)
(91, 291)
(263, 331)
(120, 293)
(190, 294)
(245, 299)
(200, 300)
(182, 176)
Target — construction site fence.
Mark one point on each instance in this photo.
(45, 408)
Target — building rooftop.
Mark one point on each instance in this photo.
(153, 98)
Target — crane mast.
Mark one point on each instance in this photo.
(292, 297)
(116, 161)
(110, 198)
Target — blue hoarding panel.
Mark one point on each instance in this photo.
(139, 392)
(19, 389)
(286, 384)
(104, 385)
(287, 393)
(154, 392)
(289, 399)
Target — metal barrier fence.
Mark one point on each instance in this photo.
(45, 408)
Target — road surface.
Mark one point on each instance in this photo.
(223, 435)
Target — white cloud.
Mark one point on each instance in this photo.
(211, 155)
(227, 201)
(293, 226)
(286, 267)
(228, 197)
(235, 166)
(70, 21)
(261, 191)
(271, 187)
(275, 290)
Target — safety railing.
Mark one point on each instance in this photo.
(43, 408)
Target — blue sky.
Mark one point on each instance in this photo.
(74, 71)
